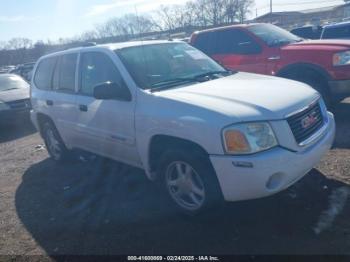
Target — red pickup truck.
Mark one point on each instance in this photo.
(268, 49)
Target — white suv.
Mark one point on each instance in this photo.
(208, 134)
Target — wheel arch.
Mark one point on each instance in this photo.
(300, 67)
(42, 118)
(159, 143)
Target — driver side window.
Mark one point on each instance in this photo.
(235, 41)
(97, 68)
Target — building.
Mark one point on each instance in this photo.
(316, 16)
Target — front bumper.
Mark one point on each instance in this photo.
(14, 116)
(271, 171)
(339, 88)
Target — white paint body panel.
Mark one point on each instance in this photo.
(197, 112)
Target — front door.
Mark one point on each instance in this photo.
(236, 50)
(105, 127)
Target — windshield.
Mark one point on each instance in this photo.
(9, 82)
(273, 35)
(156, 63)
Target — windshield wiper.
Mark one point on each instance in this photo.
(171, 83)
(212, 73)
(165, 84)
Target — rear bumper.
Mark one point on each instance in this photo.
(340, 88)
(271, 171)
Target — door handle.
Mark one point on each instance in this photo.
(273, 58)
(83, 108)
(49, 102)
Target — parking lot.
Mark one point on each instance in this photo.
(95, 206)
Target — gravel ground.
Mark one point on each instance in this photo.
(101, 207)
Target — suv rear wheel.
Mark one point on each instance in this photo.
(190, 181)
(54, 144)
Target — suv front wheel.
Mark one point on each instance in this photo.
(190, 181)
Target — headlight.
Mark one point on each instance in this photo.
(3, 106)
(248, 138)
(342, 58)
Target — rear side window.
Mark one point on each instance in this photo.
(97, 68)
(205, 42)
(64, 77)
(43, 75)
(231, 41)
(341, 32)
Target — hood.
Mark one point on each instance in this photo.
(14, 94)
(331, 44)
(245, 96)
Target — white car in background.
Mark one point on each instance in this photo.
(208, 134)
(14, 100)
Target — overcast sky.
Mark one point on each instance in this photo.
(52, 19)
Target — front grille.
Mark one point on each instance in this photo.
(19, 104)
(307, 122)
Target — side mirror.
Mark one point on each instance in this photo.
(109, 91)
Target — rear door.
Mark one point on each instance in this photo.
(64, 100)
(41, 87)
(106, 127)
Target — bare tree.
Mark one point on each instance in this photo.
(88, 36)
(19, 43)
(215, 11)
(167, 16)
(39, 49)
(243, 9)
(137, 24)
(127, 25)
(194, 13)
(231, 10)
(200, 12)
(3, 45)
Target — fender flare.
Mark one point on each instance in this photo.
(299, 66)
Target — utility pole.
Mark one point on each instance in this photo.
(271, 10)
(270, 6)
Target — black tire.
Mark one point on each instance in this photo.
(202, 168)
(319, 85)
(316, 81)
(61, 153)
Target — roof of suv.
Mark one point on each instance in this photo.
(112, 46)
